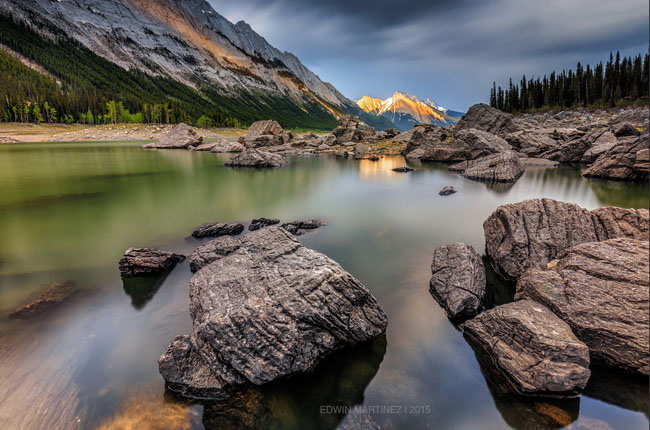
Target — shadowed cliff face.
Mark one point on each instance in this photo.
(186, 40)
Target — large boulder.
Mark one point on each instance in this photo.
(271, 309)
(264, 128)
(468, 144)
(212, 251)
(601, 290)
(360, 151)
(458, 280)
(603, 143)
(147, 261)
(536, 351)
(224, 146)
(625, 129)
(486, 118)
(347, 129)
(503, 167)
(532, 233)
(180, 137)
(619, 162)
(251, 157)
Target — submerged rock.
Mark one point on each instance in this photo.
(48, 297)
(218, 229)
(403, 169)
(503, 167)
(298, 228)
(601, 290)
(536, 351)
(251, 157)
(447, 191)
(271, 309)
(531, 233)
(259, 223)
(147, 261)
(212, 251)
(458, 281)
(180, 137)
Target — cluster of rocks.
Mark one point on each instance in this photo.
(582, 294)
(613, 149)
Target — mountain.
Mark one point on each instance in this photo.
(406, 110)
(185, 43)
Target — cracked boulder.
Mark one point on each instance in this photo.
(502, 167)
(486, 118)
(534, 350)
(271, 309)
(531, 233)
(212, 251)
(180, 137)
(458, 281)
(601, 290)
(212, 229)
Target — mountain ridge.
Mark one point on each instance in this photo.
(406, 110)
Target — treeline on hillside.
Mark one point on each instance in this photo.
(618, 82)
(84, 87)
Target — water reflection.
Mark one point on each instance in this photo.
(69, 211)
(142, 289)
(317, 400)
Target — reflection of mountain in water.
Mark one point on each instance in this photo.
(316, 400)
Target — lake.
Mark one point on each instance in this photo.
(68, 211)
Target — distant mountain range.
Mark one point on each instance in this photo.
(229, 67)
(405, 110)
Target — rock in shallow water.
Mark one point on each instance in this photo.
(531, 233)
(48, 297)
(270, 309)
(447, 191)
(502, 167)
(601, 290)
(458, 281)
(536, 351)
(251, 157)
(298, 228)
(259, 223)
(147, 261)
(211, 229)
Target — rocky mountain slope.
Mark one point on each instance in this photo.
(187, 41)
(406, 110)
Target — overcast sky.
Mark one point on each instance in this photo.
(448, 50)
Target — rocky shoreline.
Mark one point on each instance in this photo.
(582, 294)
(486, 144)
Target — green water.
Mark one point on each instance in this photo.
(68, 211)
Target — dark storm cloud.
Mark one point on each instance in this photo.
(448, 50)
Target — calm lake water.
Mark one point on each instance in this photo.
(68, 211)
